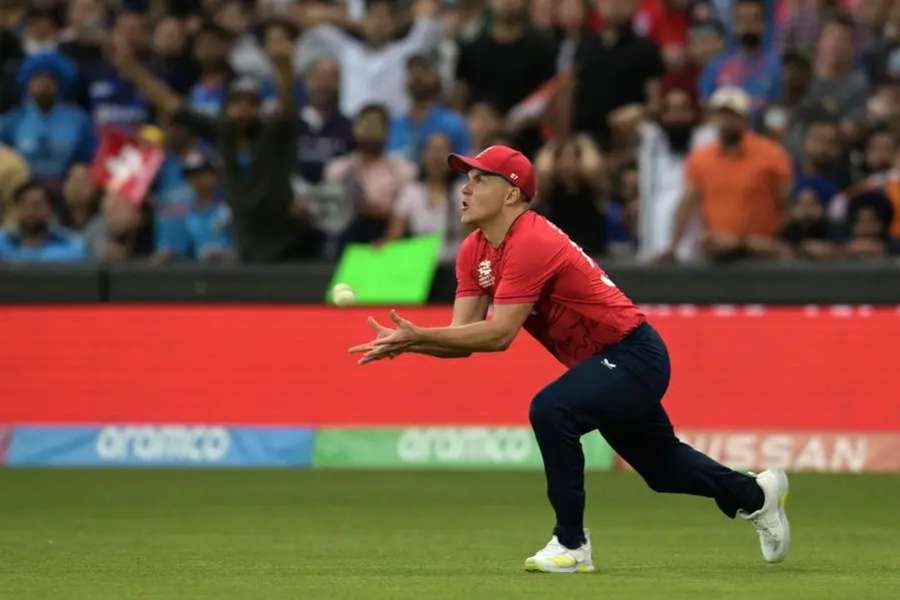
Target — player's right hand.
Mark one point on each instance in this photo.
(380, 332)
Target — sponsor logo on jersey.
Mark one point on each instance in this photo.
(485, 275)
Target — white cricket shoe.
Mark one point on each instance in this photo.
(771, 520)
(556, 558)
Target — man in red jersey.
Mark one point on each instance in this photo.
(536, 277)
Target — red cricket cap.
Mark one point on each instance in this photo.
(506, 162)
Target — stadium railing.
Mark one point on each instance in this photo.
(855, 283)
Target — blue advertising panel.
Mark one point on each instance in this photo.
(160, 445)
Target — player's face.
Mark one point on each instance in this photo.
(483, 197)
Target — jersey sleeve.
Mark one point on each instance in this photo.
(466, 284)
(529, 265)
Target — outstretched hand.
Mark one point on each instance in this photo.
(388, 342)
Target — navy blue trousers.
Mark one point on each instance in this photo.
(619, 392)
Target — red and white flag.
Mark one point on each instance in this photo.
(126, 165)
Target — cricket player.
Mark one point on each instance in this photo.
(535, 277)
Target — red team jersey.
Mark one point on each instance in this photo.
(578, 310)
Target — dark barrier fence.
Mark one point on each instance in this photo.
(859, 283)
(27, 283)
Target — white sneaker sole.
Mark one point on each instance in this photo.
(783, 489)
(534, 566)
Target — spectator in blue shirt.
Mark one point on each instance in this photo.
(35, 237)
(209, 222)
(409, 132)
(749, 65)
(49, 133)
(171, 194)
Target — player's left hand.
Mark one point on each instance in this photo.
(388, 342)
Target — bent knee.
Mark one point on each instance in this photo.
(544, 408)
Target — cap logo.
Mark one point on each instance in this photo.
(514, 176)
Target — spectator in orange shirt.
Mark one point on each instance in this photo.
(740, 183)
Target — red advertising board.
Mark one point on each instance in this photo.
(734, 368)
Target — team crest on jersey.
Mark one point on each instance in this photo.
(485, 275)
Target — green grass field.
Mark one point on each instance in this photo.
(341, 534)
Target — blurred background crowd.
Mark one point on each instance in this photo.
(278, 130)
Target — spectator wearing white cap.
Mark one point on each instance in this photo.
(740, 183)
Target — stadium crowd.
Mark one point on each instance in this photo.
(280, 130)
